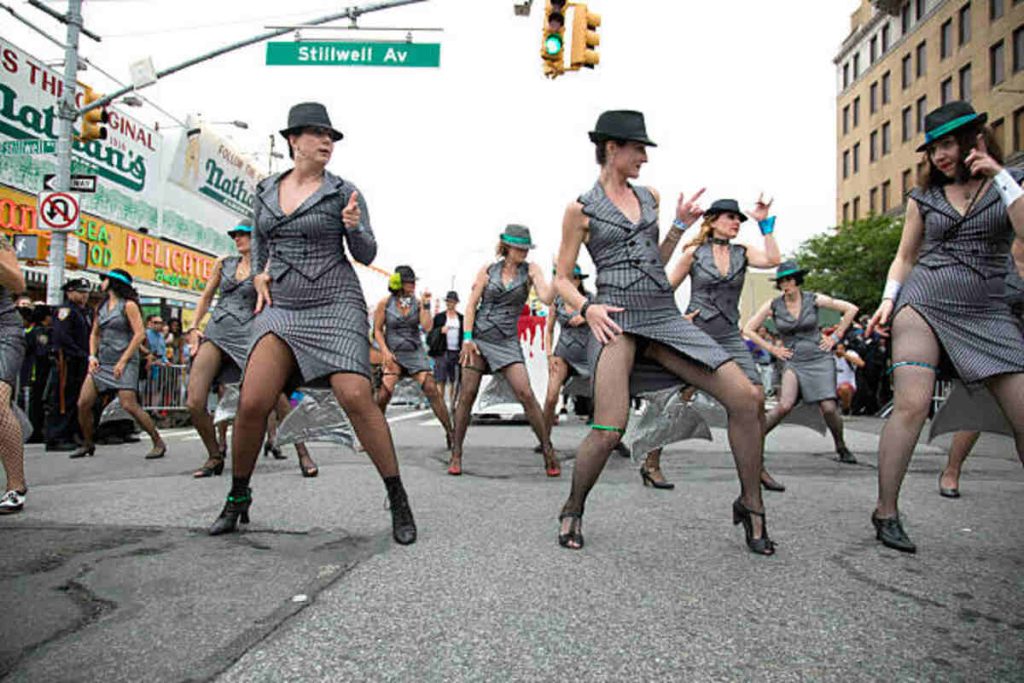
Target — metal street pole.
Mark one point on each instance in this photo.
(66, 112)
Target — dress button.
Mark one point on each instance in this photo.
(632, 243)
(636, 260)
(654, 261)
(648, 243)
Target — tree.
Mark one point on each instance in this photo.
(851, 262)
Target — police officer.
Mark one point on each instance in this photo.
(70, 343)
(37, 359)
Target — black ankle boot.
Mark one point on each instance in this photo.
(403, 527)
(236, 509)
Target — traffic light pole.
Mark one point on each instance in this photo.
(66, 113)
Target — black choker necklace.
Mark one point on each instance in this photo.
(716, 240)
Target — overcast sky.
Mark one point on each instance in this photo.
(738, 94)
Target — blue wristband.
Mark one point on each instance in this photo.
(767, 226)
(679, 224)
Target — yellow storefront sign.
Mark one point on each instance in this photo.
(113, 246)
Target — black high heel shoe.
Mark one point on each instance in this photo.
(236, 510)
(769, 483)
(270, 449)
(741, 513)
(889, 530)
(403, 526)
(210, 470)
(83, 451)
(648, 480)
(575, 533)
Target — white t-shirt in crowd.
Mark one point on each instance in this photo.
(845, 373)
(452, 323)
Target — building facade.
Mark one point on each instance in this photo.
(904, 58)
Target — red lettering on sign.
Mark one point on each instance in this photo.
(131, 249)
(10, 61)
(148, 246)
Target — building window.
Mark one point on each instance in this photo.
(886, 87)
(873, 147)
(997, 64)
(905, 19)
(918, 9)
(846, 119)
(872, 200)
(1018, 130)
(922, 109)
(846, 164)
(885, 38)
(886, 138)
(908, 124)
(946, 39)
(856, 111)
(965, 83)
(873, 98)
(906, 182)
(946, 90)
(856, 65)
(905, 71)
(846, 76)
(922, 59)
(856, 158)
(873, 49)
(846, 212)
(856, 208)
(885, 196)
(995, 9)
(1018, 49)
(997, 132)
(965, 24)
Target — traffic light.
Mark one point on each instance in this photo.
(553, 44)
(584, 38)
(93, 120)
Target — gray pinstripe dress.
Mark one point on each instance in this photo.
(230, 326)
(496, 327)
(630, 274)
(12, 339)
(402, 334)
(958, 284)
(717, 298)
(115, 336)
(318, 306)
(572, 341)
(815, 369)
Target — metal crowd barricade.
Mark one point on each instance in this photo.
(164, 387)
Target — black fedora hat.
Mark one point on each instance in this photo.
(948, 118)
(307, 115)
(517, 236)
(452, 295)
(406, 273)
(621, 125)
(788, 268)
(76, 284)
(725, 206)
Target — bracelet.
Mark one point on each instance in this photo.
(583, 309)
(467, 335)
(679, 225)
(892, 289)
(767, 226)
(1007, 187)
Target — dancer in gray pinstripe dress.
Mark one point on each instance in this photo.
(312, 323)
(12, 351)
(569, 357)
(944, 293)
(640, 338)
(117, 334)
(491, 338)
(220, 351)
(396, 327)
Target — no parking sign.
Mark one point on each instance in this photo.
(58, 211)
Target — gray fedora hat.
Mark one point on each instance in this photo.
(621, 125)
(309, 115)
(517, 236)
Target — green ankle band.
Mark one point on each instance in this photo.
(606, 428)
(239, 499)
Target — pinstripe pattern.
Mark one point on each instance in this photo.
(402, 334)
(630, 274)
(572, 341)
(319, 309)
(717, 298)
(496, 327)
(958, 285)
(115, 337)
(815, 369)
(230, 326)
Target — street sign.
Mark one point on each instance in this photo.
(353, 54)
(27, 147)
(58, 211)
(79, 183)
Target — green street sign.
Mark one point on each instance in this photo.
(353, 54)
(27, 147)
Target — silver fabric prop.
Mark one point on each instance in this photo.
(497, 392)
(807, 415)
(969, 410)
(114, 412)
(318, 417)
(227, 405)
(666, 419)
(26, 424)
(711, 410)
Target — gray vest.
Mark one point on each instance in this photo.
(115, 332)
(712, 293)
(402, 332)
(237, 299)
(500, 306)
(800, 335)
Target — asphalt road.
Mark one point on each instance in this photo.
(108, 574)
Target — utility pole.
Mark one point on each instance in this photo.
(66, 113)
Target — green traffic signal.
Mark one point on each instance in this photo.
(553, 44)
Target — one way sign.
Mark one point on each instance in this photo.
(79, 183)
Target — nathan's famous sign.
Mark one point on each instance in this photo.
(208, 164)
